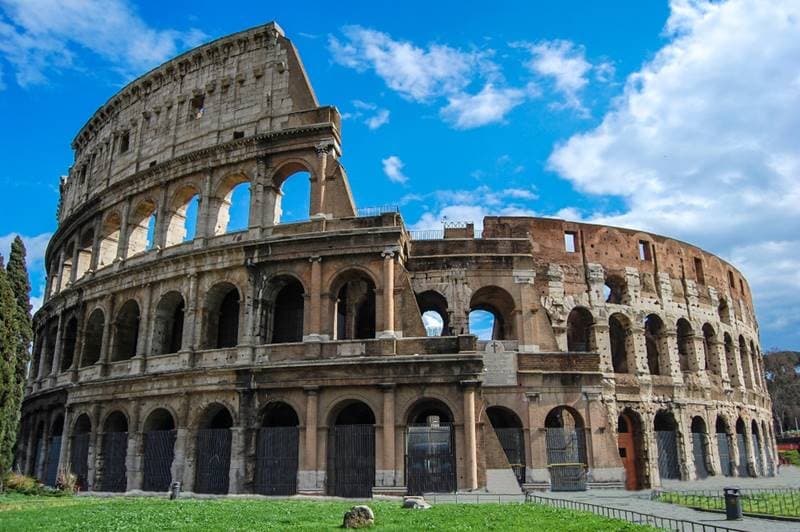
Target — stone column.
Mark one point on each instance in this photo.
(98, 227)
(108, 327)
(387, 476)
(189, 342)
(95, 442)
(237, 477)
(185, 441)
(205, 224)
(122, 243)
(470, 436)
(56, 369)
(310, 476)
(313, 332)
(388, 294)
(318, 179)
(640, 368)
(602, 343)
(60, 282)
(133, 461)
(139, 362)
(748, 446)
(73, 274)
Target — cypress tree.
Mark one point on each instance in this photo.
(21, 285)
(10, 391)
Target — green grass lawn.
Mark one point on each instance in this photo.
(94, 513)
(777, 504)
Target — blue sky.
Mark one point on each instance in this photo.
(677, 117)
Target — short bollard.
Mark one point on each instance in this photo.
(733, 504)
(174, 490)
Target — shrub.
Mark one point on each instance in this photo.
(17, 483)
(67, 482)
(790, 457)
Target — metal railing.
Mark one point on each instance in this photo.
(776, 502)
(663, 523)
(428, 234)
(364, 212)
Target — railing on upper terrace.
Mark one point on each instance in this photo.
(364, 212)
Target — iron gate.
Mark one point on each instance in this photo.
(213, 461)
(668, 465)
(351, 461)
(79, 459)
(53, 454)
(115, 450)
(566, 459)
(276, 461)
(757, 451)
(159, 451)
(699, 453)
(724, 454)
(430, 459)
(742, 469)
(36, 460)
(513, 442)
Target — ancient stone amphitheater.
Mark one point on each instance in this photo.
(282, 358)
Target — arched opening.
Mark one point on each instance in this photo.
(68, 344)
(79, 451)
(355, 307)
(709, 349)
(566, 449)
(50, 348)
(351, 451)
(54, 451)
(730, 359)
(109, 241)
(435, 317)
(233, 205)
(141, 235)
(724, 447)
(222, 316)
(213, 458)
(758, 458)
(113, 472)
(182, 225)
(500, 305)
(93, 338)
(430, 448)
(615, 289)
(699, 443)
(654, 336)
(277, 450)
(126, 332)
(168, 325)
(66, 266)
(724, 311)
(84, 253)
(630, 445)
(742, 469)
(666, 429)
(579, 330)
(159, 450)
(508, 427)
(620, 340)
(744, 356)
(283, 312)
(685, 343)
(38, 450)
(292, 201)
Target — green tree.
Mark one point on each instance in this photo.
(9, 349)
(782, 370)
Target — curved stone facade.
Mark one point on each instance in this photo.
(172, 348)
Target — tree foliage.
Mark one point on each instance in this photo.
(783, 381)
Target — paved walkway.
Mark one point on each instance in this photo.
(789, 477)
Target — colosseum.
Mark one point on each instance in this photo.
(276, 357)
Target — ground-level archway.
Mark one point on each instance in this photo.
(742, 470)
(79, 451)
(666, 431)
(566, 449)
(213, 453)
(430, 448)
(159, 450)
(724, 447)
(114, 452)
(277, 450)
(508, 427)
(631, 448)
(351, 451)
(54, 451)
(699, 451)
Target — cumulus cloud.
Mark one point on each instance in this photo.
(380, 118)
(393, 168)
(41, 36)
(370, 114)
(702, 145)
(432, 74)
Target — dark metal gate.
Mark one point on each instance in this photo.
(276, 461)
(430, 459)
(53, 454)
(742, 469)
(213, 461)
(724, 454)
(79, 459)
(513, 442)
(159, 451)
(668, 465)
(37, 459)
(699, 454)
(757, 451)
(115, 450)
(351, 461)
(566, 459)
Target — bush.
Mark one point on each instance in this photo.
(67, 482)
(17, 483)
(790, 457)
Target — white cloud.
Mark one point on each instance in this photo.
(381, 117)
(566, 65)
(490, 105)
(393, 168)
(702, 144)
(39, 36)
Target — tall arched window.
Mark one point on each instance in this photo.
(141, 235)
(709, 349)
(685, 343)
(222, 316)
(653, 334)
(620, 339)
(433, 309)
(109, 241)
(93, 338)
(126, 331)
(168, 330)
(68, 345)
(497, 303)
(355, 306)
(579, 330)
(233, 205)
(182, 224)
(283, 311)
(293, 199)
